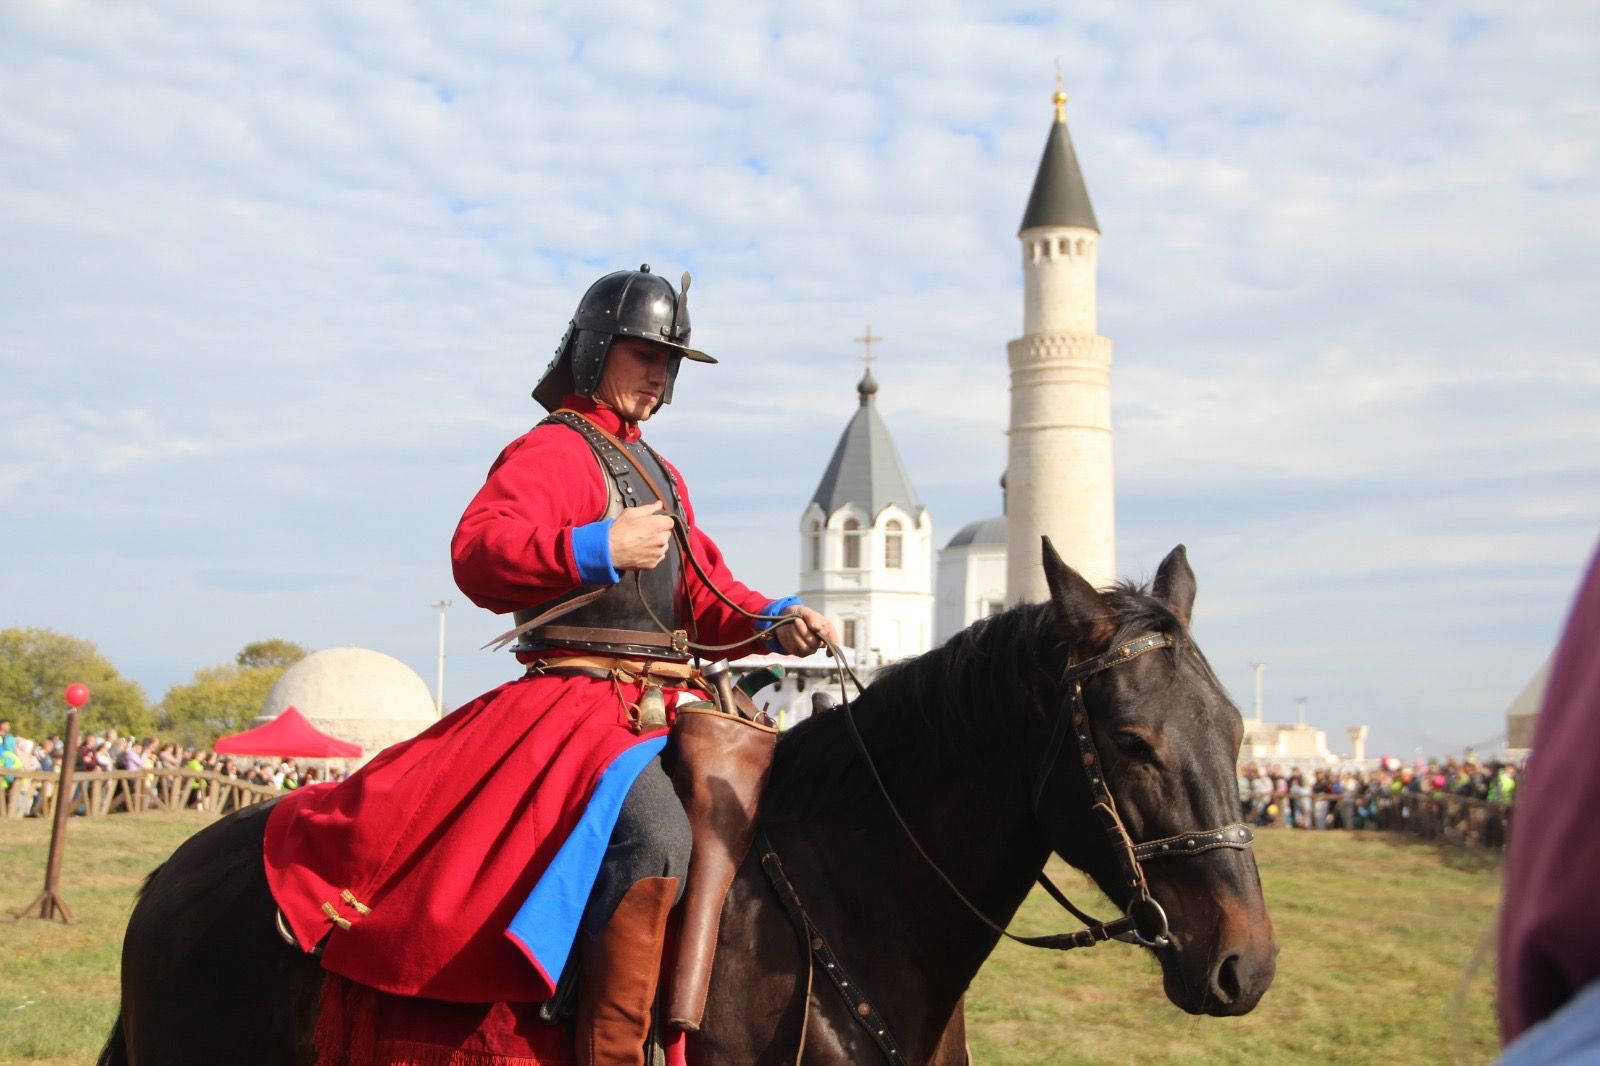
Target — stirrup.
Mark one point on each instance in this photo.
(288, 936)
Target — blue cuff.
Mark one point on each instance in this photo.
(772, 611)
(591, 546)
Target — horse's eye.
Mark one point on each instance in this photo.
(1133, 746)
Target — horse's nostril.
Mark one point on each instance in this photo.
(1225, 984)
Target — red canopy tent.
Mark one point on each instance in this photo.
(288, 736)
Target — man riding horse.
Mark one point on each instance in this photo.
(537, 821)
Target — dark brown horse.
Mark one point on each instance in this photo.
(963, 740)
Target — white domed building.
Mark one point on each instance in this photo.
(355, 694)
(972, 577)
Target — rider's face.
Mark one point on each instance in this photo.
(634, 378)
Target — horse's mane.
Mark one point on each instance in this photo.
(951, 704)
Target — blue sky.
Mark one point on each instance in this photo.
(276, 278)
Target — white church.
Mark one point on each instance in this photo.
(866, 542)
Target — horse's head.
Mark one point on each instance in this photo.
(1167, 741)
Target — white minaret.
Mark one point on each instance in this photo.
(1059, 472)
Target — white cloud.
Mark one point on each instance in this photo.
(321, 252)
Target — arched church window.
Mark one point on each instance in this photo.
(893, 547)
(852, 545)
(814, 539)
(1081, 244)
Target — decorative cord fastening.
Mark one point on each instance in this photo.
(350, 898)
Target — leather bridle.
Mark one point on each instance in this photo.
(1143, 921)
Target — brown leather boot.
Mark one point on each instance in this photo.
(620, 969)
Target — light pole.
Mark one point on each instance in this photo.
(1258, 668)
(438, 698)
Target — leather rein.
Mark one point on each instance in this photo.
(1143, 921)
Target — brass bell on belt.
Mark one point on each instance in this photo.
(652, 709)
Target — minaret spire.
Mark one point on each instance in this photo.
(1059, 478)
(1060, 196)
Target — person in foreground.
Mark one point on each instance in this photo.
(1549, 959)
(536, 823)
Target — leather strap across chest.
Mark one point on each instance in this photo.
(820, 955)
(625, 470)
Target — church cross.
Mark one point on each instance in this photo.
(868, 340)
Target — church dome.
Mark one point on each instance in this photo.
(355, 694)
(986, 532)
(866, 469)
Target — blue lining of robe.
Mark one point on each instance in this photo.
(547, 923)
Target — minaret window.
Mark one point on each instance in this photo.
(893, 546)
(852, 546)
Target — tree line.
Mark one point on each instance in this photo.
(36, 666)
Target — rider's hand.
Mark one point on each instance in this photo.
(804, 636)
(639, 537)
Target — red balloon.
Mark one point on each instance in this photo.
(77, 694)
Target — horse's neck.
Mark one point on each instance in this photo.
(902, 932)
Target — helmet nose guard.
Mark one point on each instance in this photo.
(625, 303)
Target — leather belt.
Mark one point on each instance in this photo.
(673, 645)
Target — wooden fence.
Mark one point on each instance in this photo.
(1462, 820)
(1448, 819)
(98, 792)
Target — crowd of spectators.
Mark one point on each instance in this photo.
(1347, 798)
(1323, 798)
(112, 751)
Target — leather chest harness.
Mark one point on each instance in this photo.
(640, 614)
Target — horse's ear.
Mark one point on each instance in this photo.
(1174, 584)
(1083, 610)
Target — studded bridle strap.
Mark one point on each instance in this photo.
(1117, 656)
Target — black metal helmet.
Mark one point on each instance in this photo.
(625, 303)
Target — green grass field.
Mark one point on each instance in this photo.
(1376, 931)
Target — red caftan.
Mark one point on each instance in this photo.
(429, 850)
